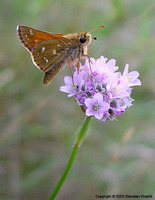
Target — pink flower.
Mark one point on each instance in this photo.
(96, 106)
(132, 76)
(100, 90)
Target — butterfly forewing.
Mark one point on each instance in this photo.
(29, 37)
(48, 53)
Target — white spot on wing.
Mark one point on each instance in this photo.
(27, 37)
(44, 57)
(43, 49)
(46, 60)
(31, 32)
(54, 51)
(58, 45)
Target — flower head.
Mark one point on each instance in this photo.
(100, 90)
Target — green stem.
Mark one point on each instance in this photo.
(78, 142)
(81, 134)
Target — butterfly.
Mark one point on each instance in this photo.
(51, 51)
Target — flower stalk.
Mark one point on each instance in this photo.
(78, 141)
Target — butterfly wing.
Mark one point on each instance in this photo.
(49, 56)
(29, 37)
(49, 53)
(49, 75)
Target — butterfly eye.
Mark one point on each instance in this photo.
(82, 39)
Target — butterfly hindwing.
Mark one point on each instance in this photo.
(49, 75)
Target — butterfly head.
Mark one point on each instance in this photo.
(85, 38)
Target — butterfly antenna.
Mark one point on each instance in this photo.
(96, 28)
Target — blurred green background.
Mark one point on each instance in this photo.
(38, 124)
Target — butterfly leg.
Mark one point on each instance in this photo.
(70, 67)
(78, 67)
(90, 62)
(89, 56)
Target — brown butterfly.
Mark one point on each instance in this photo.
(50, 51)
